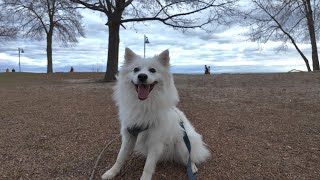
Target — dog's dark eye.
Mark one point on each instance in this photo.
(136, 69)
(152, 70)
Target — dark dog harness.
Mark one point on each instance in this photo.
(135, 130)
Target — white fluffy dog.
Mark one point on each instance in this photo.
(147, 99)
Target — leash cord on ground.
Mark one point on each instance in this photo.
(99, 157)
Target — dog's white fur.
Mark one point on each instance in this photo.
(163, 140)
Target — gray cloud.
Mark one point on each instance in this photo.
(224, 49)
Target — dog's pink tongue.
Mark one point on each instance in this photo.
(143, 91)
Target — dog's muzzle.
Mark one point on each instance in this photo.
(144, 89)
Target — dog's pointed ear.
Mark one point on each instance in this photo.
(164, 58)
(129, 55)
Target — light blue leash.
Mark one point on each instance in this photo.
(187, 142)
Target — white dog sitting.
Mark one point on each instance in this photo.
(150, 121)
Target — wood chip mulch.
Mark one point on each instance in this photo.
(257, 126)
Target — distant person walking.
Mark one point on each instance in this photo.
(71, 69)
(206, 69)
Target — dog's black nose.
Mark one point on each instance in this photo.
(142, 77)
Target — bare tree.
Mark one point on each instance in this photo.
(7, 28)
(39, 19)
(287, 21)
(183, 14)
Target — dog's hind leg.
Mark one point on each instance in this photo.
(153, 156)
(127, 146)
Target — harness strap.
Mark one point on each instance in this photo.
(188, 144)
(135, 130)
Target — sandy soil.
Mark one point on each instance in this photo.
(258, 126)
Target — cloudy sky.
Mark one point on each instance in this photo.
(225, 50)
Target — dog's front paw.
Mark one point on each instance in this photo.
(110, 174)
(146, 176)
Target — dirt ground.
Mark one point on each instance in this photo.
(258, 126)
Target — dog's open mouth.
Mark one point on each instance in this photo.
(144, 90)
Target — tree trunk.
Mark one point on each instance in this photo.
(49, 52)
(299, 51)
(315, 59)
(113, 52)
(294, 43)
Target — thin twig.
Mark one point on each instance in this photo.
(98, 159)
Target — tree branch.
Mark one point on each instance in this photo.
(127, 3)
(38, 16)
(287, 34)
(91, 6)
(171, 17)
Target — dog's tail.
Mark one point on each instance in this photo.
(199, 150)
